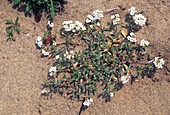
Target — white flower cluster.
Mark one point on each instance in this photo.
(138, 18)
(144, 43)
(158, 62)
(87, 102)
(39, 41)
(132, 38)
(50, 24)
(52, 71)
(45, 53)
(70, 26)
(69, 55)
(116, 18)
(97, 14)
(125, 78)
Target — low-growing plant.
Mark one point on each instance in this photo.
(13, 26)
(97, 60)
(36, 7)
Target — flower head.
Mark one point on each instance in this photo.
(45, 53)
(39, 42)
(111, 94)
(96, 15)
(139, 19)
(52, 71)
(69, 55)
(125, 78)
(57, 57)
(132, 11)
(50, 24)
(132, 38)
(158, 62)
(70, 26)
(116, 18)
(44, 91)
(144, 43)
(87, 102)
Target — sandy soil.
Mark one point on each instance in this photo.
(22, 70)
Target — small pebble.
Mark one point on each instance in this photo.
(28, 34)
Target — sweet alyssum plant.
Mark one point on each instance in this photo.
(96, 60)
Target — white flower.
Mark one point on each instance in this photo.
(125, 78)
(50, 24)
(83, 28)
(111, 94)
(78, 25)
(44, 91)
(158, 62)
(39, 38)
(87, 102)
(117, 15)
(89, 19)
(144, 43)
(39, 43)
(116, 19)
(132, 11)
(91, 26)
(70, 26)
(69, 55)
(45, 53)
(91, 100)
(73, 30)
(132, 38)
(97, 14)
(139, 19)
(54, 43)
(132, 34)
(52, 71)
(57, 57)
(98, 24)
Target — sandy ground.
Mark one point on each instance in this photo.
(22, 70)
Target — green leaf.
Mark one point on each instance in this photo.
(9, 22)
(18, 29)
(16, 21)
(126, 23)
(9, 29)
(27, 7)
(52, 14)
(16, 2)
(106, 29)
(85, 38)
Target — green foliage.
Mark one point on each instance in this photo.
(106, 57)
(13, 26)
(96, 60)
(38, 6)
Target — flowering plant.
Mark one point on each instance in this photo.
(93, 56)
